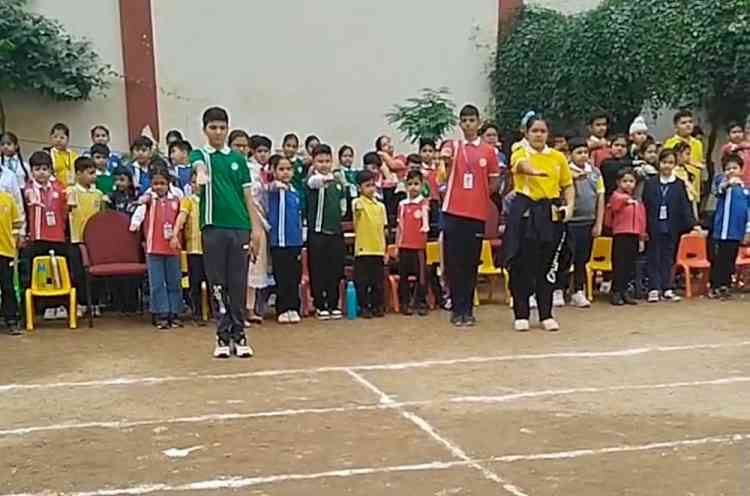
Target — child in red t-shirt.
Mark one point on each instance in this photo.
(158, 213)
(627, 218)
(411, 238)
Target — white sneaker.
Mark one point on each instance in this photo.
(653, 296)
(558, 298)
(550, 325)
(222, 349)
(62, 313)
(579, 300)
(521, 325)
(98, 311)
(50, 314)
(670, 296)
(81, 310)
(284, 318)
(322, 315)
(606, 287)
(337, 315)
(532, 302)
(294, 317)
(242, 349)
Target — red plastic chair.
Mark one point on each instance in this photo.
(110, 250)
(743, 263)
(692, 258)
(305, 290)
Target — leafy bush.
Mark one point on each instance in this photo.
(430, 115)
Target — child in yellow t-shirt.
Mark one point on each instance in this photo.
(11, 220)
(84, 201)
(188, 222)
(63, 158)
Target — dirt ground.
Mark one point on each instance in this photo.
(652, 400)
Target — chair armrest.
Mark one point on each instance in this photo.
(85, 256)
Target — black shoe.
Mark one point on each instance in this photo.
(629, 300)
(617, 299)
(13, 329)
(725, 293)
(469, 321)
(175, 322)
(457, 320)
(423, 311)
(366, 313)
(378, 313)
(163, 325)
(407, 311)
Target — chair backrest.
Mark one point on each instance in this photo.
(433, 253)
(50, 274)
(108, 239)
(305, 267)
(744, 254)
(692, 248)
(601, 252)
(492, 224)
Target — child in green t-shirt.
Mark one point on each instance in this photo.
(104, 180)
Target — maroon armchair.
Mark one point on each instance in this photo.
(110, 250)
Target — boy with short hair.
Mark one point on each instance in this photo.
(104, 180)
(11, 223)
(179, 156)
(142, 150)
(84, 201)
(325, 238)
(411, 239)
(47, 208)
(100, 136)
(597, 142)
(260, 150)
(370, 221)
(684, 123)
(63, 158)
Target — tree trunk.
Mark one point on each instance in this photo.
(716, 122)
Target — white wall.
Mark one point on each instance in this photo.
(31, 116)
(329, 67)
(566, 6)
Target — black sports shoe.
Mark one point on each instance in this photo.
(617, 300)
(366, 313)
(423, 311)
(457, 320)
(629, 300)
(407, 311)
(378, 313)
(469, 321)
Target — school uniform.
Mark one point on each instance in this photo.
(184, 177)
(225, 224)
(696, 158)
(370, 221)
(11, 184)
(83, 203)
(141, 177)
(610, 168)
(18, 167)
(325, 240)
(158, 216)
(285, 219)
(628, 222)
(105, 182)
(10, 225)
(743, 150)
(669, 215)
(533, 233)
(465, 211)
(190, 206)
(413, 227)
(731, 225)
(63, 165)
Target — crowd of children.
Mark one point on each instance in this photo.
(307, 209)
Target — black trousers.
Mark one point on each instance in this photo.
(287, 269)
(661, 253)
(7, 291)
(462, 241)
(723, 265)
(226, 262)
(78, 273)
(624, 256)
(326, 266)
(528, 275)
(196, 276)
(577, 252)
(369, 277)
(411, 263)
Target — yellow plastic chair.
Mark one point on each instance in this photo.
(186, 284)
(432, 253)
(600, 262)
(488, 269)
(50, 279)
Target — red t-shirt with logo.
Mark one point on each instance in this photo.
(468, 192)
(413, 223)
(160, 224)
(48, 211)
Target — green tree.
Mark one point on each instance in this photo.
(430, 115)
(37, 55)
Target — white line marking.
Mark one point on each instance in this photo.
(383, 405)
(430, 431)
(239, 482)
(129, 381)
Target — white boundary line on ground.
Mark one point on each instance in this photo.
(240, 482)
(126, 424)
(425, 426)
(129, 381)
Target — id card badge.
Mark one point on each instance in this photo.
(353, 193)
(468, 181)
(168, 231)
(663, 212)
(51, 219)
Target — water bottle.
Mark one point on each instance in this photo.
(351, 301)
(42, 275)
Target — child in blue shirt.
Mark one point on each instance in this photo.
(731, 224)
(179, 157)
(284, 208)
